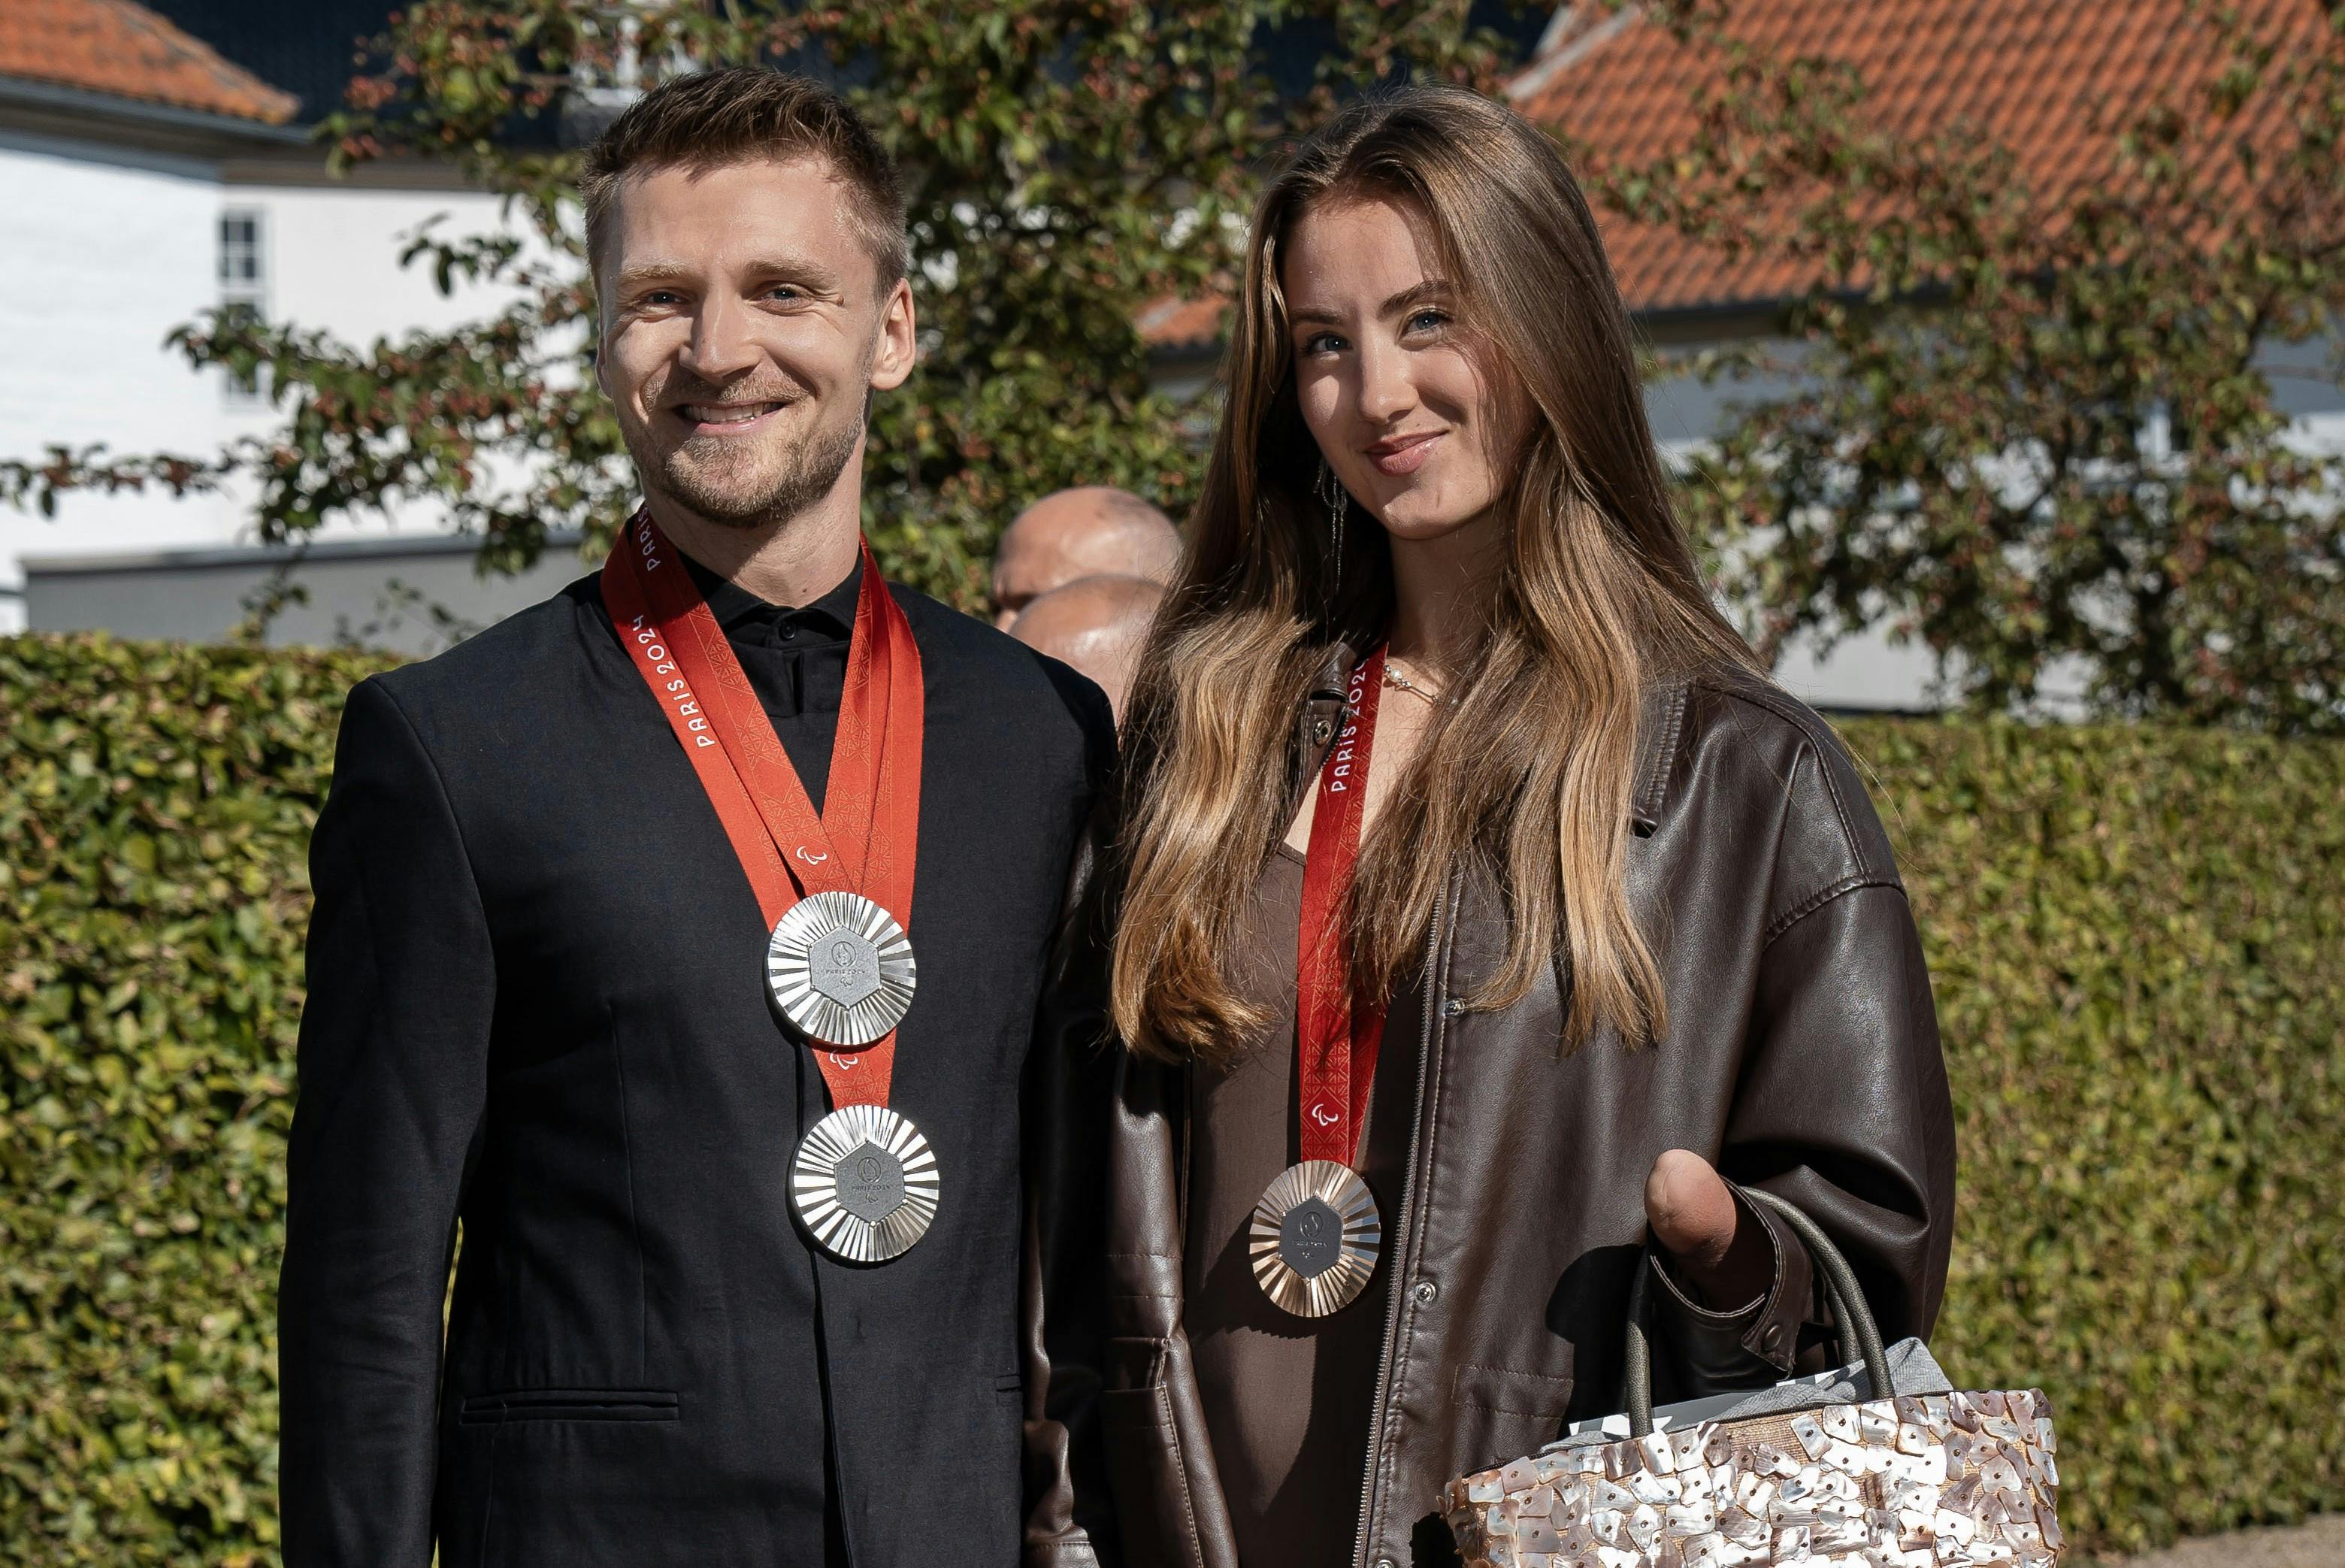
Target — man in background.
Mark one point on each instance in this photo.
(1096, 625)
(1092, 531)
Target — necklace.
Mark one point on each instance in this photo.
(1393, 677)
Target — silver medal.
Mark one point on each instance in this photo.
(1315, 1238)
(865, 1184)
(840, 968)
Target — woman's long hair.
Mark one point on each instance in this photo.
(1528, 770)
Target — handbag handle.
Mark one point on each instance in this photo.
(1849, 1309)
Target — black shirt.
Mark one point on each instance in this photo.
(537, 1002)
(796, 660)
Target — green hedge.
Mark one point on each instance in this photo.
(2136, 936)
(155, 807)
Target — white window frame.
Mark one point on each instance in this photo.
(251, 290)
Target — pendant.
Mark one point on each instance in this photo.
(864, 1182)
(840, 968)
(1316, 1238)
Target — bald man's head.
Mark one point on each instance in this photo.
(1095, 624)
(1093, 531)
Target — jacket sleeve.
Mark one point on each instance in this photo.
(1069, 1090)
(393, 1064)
(1841, 1105)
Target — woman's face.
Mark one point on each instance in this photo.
(1414, 422)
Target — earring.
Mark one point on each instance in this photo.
(1337, 501)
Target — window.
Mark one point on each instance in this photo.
(243, 288)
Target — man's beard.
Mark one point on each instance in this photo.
(720, 491)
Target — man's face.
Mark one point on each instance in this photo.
(743, 327)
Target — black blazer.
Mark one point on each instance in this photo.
(536, 1006)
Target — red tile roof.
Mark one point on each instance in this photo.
(1174, 323)
(113, 46)
(2031, 75)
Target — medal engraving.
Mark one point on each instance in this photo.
(1315, 1238)
(1311, 1238)
(845, 967)
(870, 1183)
(840, 968)
(865, 1184)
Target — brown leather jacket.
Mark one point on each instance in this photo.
(1801, 1055)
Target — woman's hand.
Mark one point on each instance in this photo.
(1694, 1216)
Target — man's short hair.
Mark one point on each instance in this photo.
(711, 119)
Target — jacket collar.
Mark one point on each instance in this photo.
(1659, 729)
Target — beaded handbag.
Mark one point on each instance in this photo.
(1808, 1471)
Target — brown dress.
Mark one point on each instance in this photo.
(1287, 1398)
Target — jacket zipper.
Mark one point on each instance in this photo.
(1399, 1293)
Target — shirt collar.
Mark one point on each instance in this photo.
(735, 607)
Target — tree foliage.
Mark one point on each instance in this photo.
(2037, 425)
(2032, 420)
(1070, 162)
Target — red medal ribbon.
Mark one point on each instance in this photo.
(865, 838)
(1335, 1042)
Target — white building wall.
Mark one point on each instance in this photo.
(104, 251)
(336, 250)
(334, 254)
(99, 260)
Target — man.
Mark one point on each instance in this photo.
(1096, 625)
(734, 1058)
(1092, 531)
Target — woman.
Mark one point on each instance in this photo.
(1611, 915)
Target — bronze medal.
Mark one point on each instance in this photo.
(1316, 1238)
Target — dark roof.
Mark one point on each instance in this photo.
(306, 47)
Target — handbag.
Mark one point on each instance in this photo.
(1879, 1465)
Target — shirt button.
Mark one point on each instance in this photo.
(790, 631)
(1387, 1563)
(1425, 1291)
(1772, 1338)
